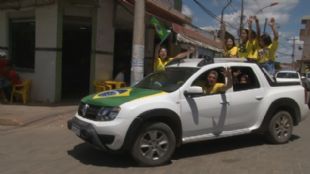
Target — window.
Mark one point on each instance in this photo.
(244, 79)
(22, 43)
(169, 80)
(211, 84)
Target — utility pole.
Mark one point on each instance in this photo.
(293, 54)
(222, 21)
(241, 16)
(137, 60)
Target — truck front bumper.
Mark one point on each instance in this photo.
(88, 133)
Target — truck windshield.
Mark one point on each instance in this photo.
(169, 80)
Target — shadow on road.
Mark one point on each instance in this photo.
(221, 145)
(86, 154)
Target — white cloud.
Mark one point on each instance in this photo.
(282, 14)
(285, 49)
(187, 11)
(281, 11)
(209, 28)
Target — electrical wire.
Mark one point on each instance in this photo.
(233, 6)
(210, 13)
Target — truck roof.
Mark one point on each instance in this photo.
(200, 62)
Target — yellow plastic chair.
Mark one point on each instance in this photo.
(101, 86)
(21, 90)
(115, 84)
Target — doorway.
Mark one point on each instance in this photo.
(122, 53)
(76, 56)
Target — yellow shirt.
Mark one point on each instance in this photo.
(253, 52)
(268, 53)
(243, 49)
(232, 52)
(217, 87)
(159, 64)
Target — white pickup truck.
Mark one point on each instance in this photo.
(170, 108)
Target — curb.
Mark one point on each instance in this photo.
(17, 122)
(9, 122)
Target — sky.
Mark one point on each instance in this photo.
(287, 13)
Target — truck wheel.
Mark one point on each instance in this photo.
(280, 128)
(154, 145)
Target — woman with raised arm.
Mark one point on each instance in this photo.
(268, 48)
(162, 59)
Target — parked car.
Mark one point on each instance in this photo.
(170, 108)
(307, 76)
(288, 76)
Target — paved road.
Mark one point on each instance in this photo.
(48, 147)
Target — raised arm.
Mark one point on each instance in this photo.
(157, 47)
(185, 53)
(250, 27)
(273, 26)
(229, 83)
(258, 33)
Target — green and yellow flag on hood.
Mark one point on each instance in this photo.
(119, 96)
(161, 31)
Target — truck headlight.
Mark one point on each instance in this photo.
(107, 113)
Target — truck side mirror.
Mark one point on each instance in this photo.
(194, 91)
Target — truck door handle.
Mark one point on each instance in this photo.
(259, 97)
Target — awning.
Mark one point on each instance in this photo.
(193, 37)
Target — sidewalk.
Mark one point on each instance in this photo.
(20, 115)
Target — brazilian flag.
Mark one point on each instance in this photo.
(162, 32)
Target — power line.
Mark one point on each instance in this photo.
(233, 6)
(210, 13)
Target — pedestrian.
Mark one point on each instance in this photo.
(162, 58)
(8, 79)
(268, 47)
(121, 75)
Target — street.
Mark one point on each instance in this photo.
(47, 146)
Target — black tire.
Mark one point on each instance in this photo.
(280, 128)
(154, 145)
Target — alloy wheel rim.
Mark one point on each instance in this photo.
(154, 144)
(282, 127)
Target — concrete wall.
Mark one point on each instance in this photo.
(104, 40)
(44, 77)
(306, 38)
(46, 82)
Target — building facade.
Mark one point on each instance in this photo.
(65, 45)
(305, 36)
